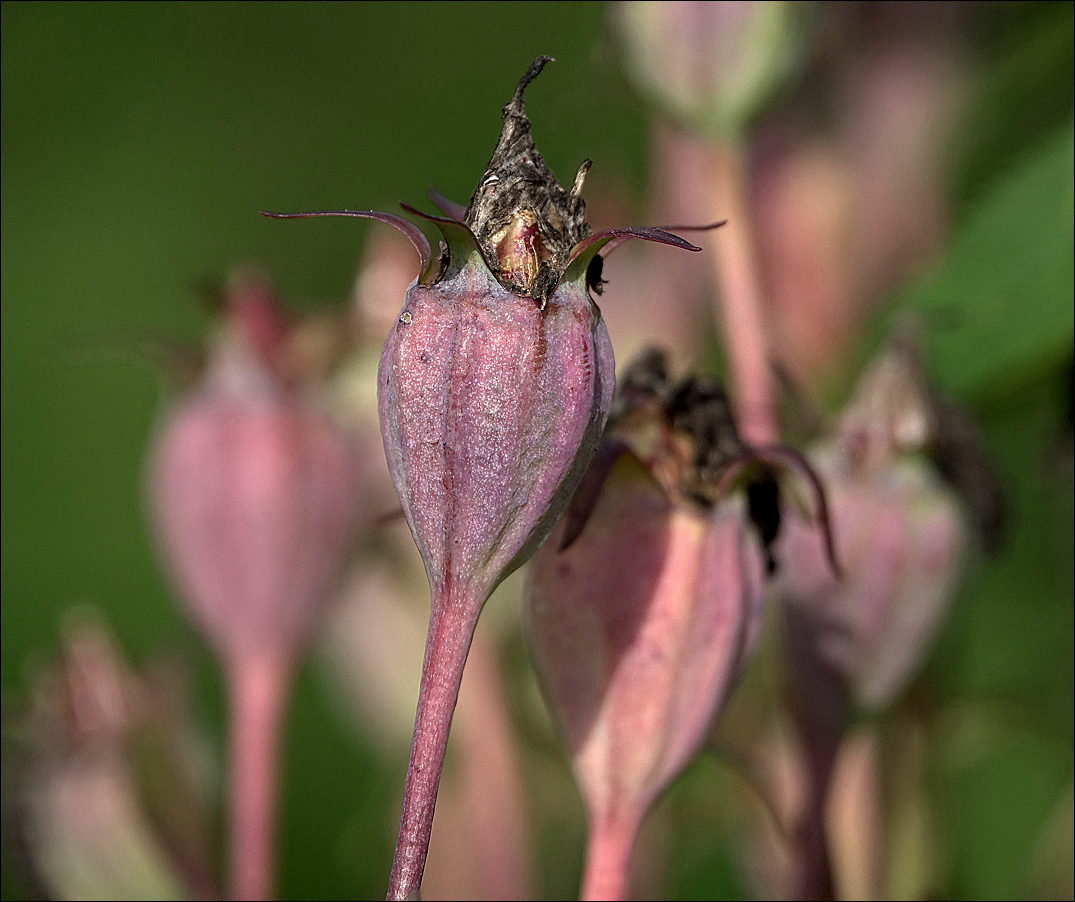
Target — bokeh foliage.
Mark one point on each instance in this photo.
(140, 140)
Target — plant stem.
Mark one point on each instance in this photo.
(608, 855)
(491, 782)
(819, 706)
(741, 312)
(257, 689)
(855, 817)
(451, 629)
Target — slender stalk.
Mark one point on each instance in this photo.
(608, 857)
(491, 782)
(811, 876)
(741, 310)
(258, 690)
(451, 628)
(855, 815)
(818, 706)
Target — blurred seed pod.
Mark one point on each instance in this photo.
(254, 491)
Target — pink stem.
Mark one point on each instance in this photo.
(451, 628)
(258, 690)
(491, 780)
(741, 312)
(608, 856)
(819, 706)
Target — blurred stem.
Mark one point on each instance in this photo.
(489, 774)
(451, 629)
(741, 310)
(258, 690)
(608, 855)
(818, 705)
(855, 817)
(811, 872)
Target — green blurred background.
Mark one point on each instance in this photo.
(141, 140)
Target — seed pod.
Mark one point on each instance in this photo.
(638, 631)
(714, 67)
(899, 533)
(101, 794)
(254, 495)
(496, 380)
(254, 491)
(494, 387)
(646, 603)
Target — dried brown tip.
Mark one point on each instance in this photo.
(523, 219)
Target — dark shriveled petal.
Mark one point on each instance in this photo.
(790, 459)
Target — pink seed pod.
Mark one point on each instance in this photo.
(639, 630)
(645, 604)
(899, 534)
(494, 387)
(900, 538)
(496, 380)
(254, 496)
(253, 491)
(491, 407)
(712, 66)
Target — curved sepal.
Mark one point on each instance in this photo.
(623, 239)
(584, 252)
(414, 234)
(789, 460)
(459, 239)
(448, 207)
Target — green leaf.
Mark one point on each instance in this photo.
(999, 310)
(1021, 91)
